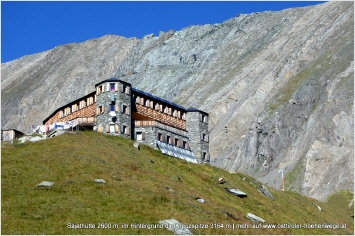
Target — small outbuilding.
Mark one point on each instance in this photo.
(10, 134)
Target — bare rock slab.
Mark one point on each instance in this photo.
(254, 218)
(45, 184)
(176, 227)
(236, 192)
(100, 181)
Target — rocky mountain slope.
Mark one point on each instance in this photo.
(278, 87)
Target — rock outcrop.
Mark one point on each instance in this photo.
(278, 87)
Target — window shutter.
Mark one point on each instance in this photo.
(116, 107)
(207, 138)
(128, 90)
(121, 129)
(116, 87)
(97, 90)
(143, 135)
(107, 128)
(127, 111)
(97, 111)
(127, 131)
(208, 157)
(201, 136)
(108, 87)
(121, 108)
(121, 88)
(116, 128)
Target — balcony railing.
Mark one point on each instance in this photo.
(85, 120)
(152, 123)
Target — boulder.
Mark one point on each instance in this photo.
(266, 192)
(254, 218)
(200, 200)
(221, 181)
(45, 184)
(175, 226)
(100, 181)
(35, 139)
(236, 192)
(136, 145)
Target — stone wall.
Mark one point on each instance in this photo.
(198, 135)
(150, 134)
(113, 109)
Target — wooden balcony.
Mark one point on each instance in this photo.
(152, 123)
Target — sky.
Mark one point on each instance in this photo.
(29, 27)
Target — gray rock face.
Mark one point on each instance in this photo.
(278, 87)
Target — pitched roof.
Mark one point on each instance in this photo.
(158, 98)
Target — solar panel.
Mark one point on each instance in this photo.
(176, 152)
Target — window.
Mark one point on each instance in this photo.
(112, 108)
(139, 136)
(203, 118)
(168, 139)
(112, 87)
(125, 129)
(124, 109)
(204, 155)
(166, 110)
(99, 90)
(147, 103)
(184, 145)
(160, 137)
(204, 137)
(176, 143)
(100, 110)
(112, 128)
(127, 90)
(184, 116)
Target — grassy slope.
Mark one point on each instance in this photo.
(136, 191)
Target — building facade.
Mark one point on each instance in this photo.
(117, 108)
